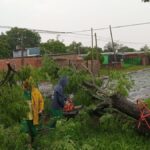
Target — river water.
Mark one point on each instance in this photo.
(141, 87)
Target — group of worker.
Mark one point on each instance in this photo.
(35, 101)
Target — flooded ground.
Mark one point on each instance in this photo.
(141, 87)
(46, 88)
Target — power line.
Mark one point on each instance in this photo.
(131, 25)
(81, 34)
(74, 32)
(78, 33)
(39, 30)
(114, 27)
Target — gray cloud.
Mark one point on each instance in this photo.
(70, 15)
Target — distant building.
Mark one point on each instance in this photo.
(128, 58)
(28, 52)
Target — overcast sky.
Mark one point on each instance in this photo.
(74, 15)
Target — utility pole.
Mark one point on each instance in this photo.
(92, 50)
(78, 50)
(96, 46)
(57, 37)
(113, 44)
(22, 50)
(95, 40)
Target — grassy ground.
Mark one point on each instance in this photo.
(82, 133)
(105, 70)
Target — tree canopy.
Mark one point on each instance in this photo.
(146, 0)
(109, 48)
(145, 48)
(126, 49)
(5, 51)
(75, 47)
(53, 46)
(22, 37)
(17, 37)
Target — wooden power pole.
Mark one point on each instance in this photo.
(22, 51)
(92, 50)
(97, 53)
(113, 43)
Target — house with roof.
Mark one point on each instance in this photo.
(27, 52)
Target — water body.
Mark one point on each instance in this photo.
(46, 88)
(141, 87)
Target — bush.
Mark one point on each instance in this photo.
(96, 56)
(12, 139)
(49, 68)
(12, 106)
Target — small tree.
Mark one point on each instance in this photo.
(22, 37)
(5, 51)
(126, 49)
(145, 48)
(96, 56)
(75, 47)
(109, 48)
(53, 46)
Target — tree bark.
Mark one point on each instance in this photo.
(125, 106)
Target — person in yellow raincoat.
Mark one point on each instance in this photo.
(34, 98)
(37, 102)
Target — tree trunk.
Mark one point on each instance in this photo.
(125, 106)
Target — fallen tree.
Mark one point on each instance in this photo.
(101, 92)
(115, 102)
(120, 103)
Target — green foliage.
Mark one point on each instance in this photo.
(83, 134)
(49, 68)
(28, 71)
(126, 49)
(12, 138)
(75, 47)
(145, 48)
(52, 46)
(17, 37)
(76, 78)
(109, 47)
(12, 110)
(5, 51)
(82, 98)
(12, 106)
(120, 83)
(147, 101)
(22, 37)
(25, 72)
(96, 55)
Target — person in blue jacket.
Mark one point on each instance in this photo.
(58, 100)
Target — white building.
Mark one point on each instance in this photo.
(28, 52)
